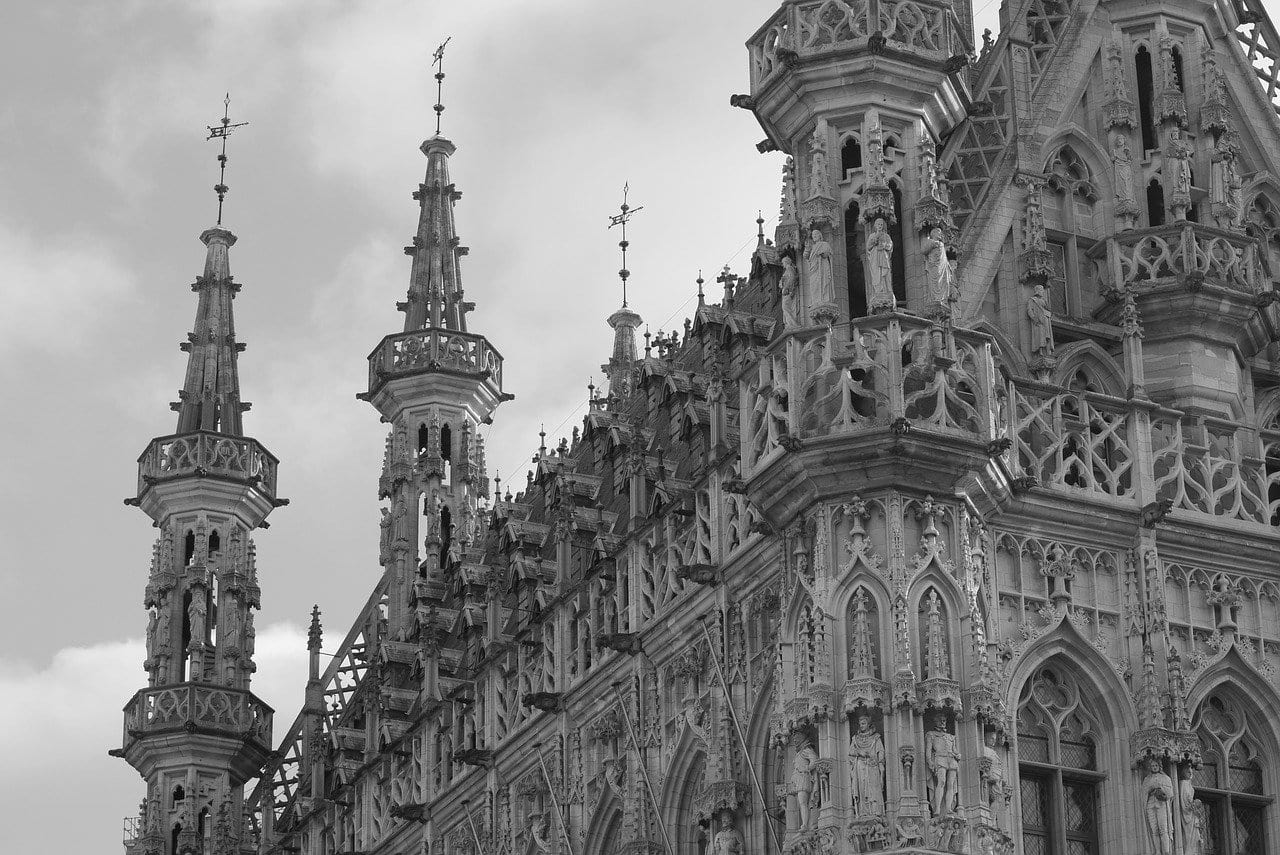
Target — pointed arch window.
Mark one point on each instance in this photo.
(850, 155)
(1262, 221)
(1071, 224)
(1155, 203)
(854, 252)
(1229, 809)
(1059, 781)
(1146, 116)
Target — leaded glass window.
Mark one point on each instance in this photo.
(1058, 776)
(1229, 808)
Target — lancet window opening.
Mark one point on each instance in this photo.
(1071, 224)
(1230, 805)
(1155, 203)
(1059, 779)
(1146, 95)
(854, 253)
(850, 155)
(898, 262)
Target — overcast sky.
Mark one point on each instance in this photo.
(107, 185)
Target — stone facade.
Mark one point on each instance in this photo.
(952, 527)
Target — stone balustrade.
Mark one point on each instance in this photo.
(804, 30)
(207, 453)
(1186, 252)
(166, 708)
(434, 349)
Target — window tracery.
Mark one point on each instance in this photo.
(1071, 225)
(1059, 780)
(1229, 785)
(1262, 221)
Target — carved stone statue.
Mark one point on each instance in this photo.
(804, 779)
(728, 840)
(162, 628)
(384, 537)
(942, 753)
(1157, 789)
(250, 635)
(939, 276)
(152, 620)
(1192, 815)
(821, 280)
(819, 174)
(866, 770)
(880, 266)
(789, 285)
(1122, 160)
(1041, 321)
(992, 770)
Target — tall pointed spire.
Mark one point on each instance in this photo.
(210, 396)
(435, 284)
(624, 321)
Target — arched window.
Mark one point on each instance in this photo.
(863, 643)
(1229, 807)
(1155, 203)
(1058, 776)
(215, 543)
(189, 548)
(1145, 97)
(1071, 223)
(854, 249)
(424, 436)
(1262, 221)
(850, 155)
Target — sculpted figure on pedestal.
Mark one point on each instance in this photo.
(939, 276)
(1122, 160)
(819, 180)
(866, 770)
(728, 840)
(789, 286)
(821, 284)
(942, 753)
(1041, 321)
(803, 778)
(879, 266)
(1192, 815)
(993, 776)
(1157, 789)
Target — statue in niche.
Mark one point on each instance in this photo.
(1180, 153)
(1041, 317)
(880, 267)
(993, 770)
(789, 285)
(152, 620)
(195, 617)
(250, 635)
(1122, 160)
(728, 840)
(384, 537)
(942, 753)
(162, 627)
(1193, 814)
(939, 275)
(819, 179)
(804, 778)
(1157, 790)
(818, 267)
(866, 769)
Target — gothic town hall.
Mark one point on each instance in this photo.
(950, 526)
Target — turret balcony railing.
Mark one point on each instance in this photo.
(434, 349)
(207, 453)
(197, 705)
(812, 28)
(893, 371)
(1192, 253)
(898, 373)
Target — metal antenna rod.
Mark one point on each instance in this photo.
(742, 740)
(220, 132)
(555, 802)
(622, 220)
(439, 61)
(471, 822)
(644, 771)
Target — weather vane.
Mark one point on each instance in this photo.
(622, 220)
(438, 60)
(221, 132)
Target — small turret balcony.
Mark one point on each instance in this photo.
(434, 362)
(236, 722)
(191, 470)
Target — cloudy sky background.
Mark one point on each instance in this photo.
(107, 179)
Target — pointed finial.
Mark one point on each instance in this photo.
(497, 487)
(701, 296)
(542, 441)
(314, 633)
(621, 220)
(438, 61)
(221, 131)
(760, 228)
(646, 341)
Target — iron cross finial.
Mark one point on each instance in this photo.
(221, 131)
(437, 59)
(621, 219)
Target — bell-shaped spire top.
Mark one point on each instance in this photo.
(435, 284)
(210, 396)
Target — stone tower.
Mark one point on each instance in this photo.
(197, 733)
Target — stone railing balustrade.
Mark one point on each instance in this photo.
(163, 708)
(434, 349)
(207, 453)
(1182, 251)
(803, 30)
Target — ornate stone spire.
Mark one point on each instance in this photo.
(210, 396)
(435, 284)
